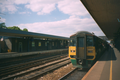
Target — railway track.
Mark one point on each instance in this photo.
(23, 59)
(10, 61)
(12, 69)
(39, 70)
(75, 74)
(68, 74)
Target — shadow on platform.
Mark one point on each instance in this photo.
(117, 44)
(108, 55)
(83, 69)
(118, 48)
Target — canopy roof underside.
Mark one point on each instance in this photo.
(106, 13)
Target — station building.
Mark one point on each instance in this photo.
(21, 41)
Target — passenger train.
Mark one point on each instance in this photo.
(85, 48)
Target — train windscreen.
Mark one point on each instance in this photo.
(81, 42)
(72, 42)
(90, 41)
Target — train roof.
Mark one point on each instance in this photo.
(83, 32)
(86, 32)
(17, 33)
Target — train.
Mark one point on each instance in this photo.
(85, 48)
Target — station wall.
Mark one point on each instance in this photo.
(18, 44)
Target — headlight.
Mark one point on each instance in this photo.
(80, 62)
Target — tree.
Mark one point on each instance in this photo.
(2, 25)
(17, 28)
(25, 29)
(14, 27)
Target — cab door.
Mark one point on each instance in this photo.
(81, 47)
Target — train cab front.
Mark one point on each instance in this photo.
(82, 51)
(72, 51)
(76, 62)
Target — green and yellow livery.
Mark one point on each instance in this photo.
(85, 48)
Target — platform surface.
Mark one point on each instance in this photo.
(106, 68)
(16, 54)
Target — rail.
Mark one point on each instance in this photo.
(5, 71)
(43, 69)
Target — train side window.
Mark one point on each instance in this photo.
(89, 40)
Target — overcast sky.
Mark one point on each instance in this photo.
(55, 17)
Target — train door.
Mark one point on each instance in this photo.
(81, 47)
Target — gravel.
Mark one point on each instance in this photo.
(56, 74)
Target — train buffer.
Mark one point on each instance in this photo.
(106, 68)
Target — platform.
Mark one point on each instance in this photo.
(16, 54)
(106, 68)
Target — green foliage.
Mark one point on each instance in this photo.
(14, 27)
(17, 28)
(2, 25)
(25, 29)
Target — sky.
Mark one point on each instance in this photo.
(54, 17)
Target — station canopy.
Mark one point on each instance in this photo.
(106, 13)
(17, 33)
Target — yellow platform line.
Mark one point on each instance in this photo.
(111, 69)
(86, 75)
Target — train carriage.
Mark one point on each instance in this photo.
(85, 48)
